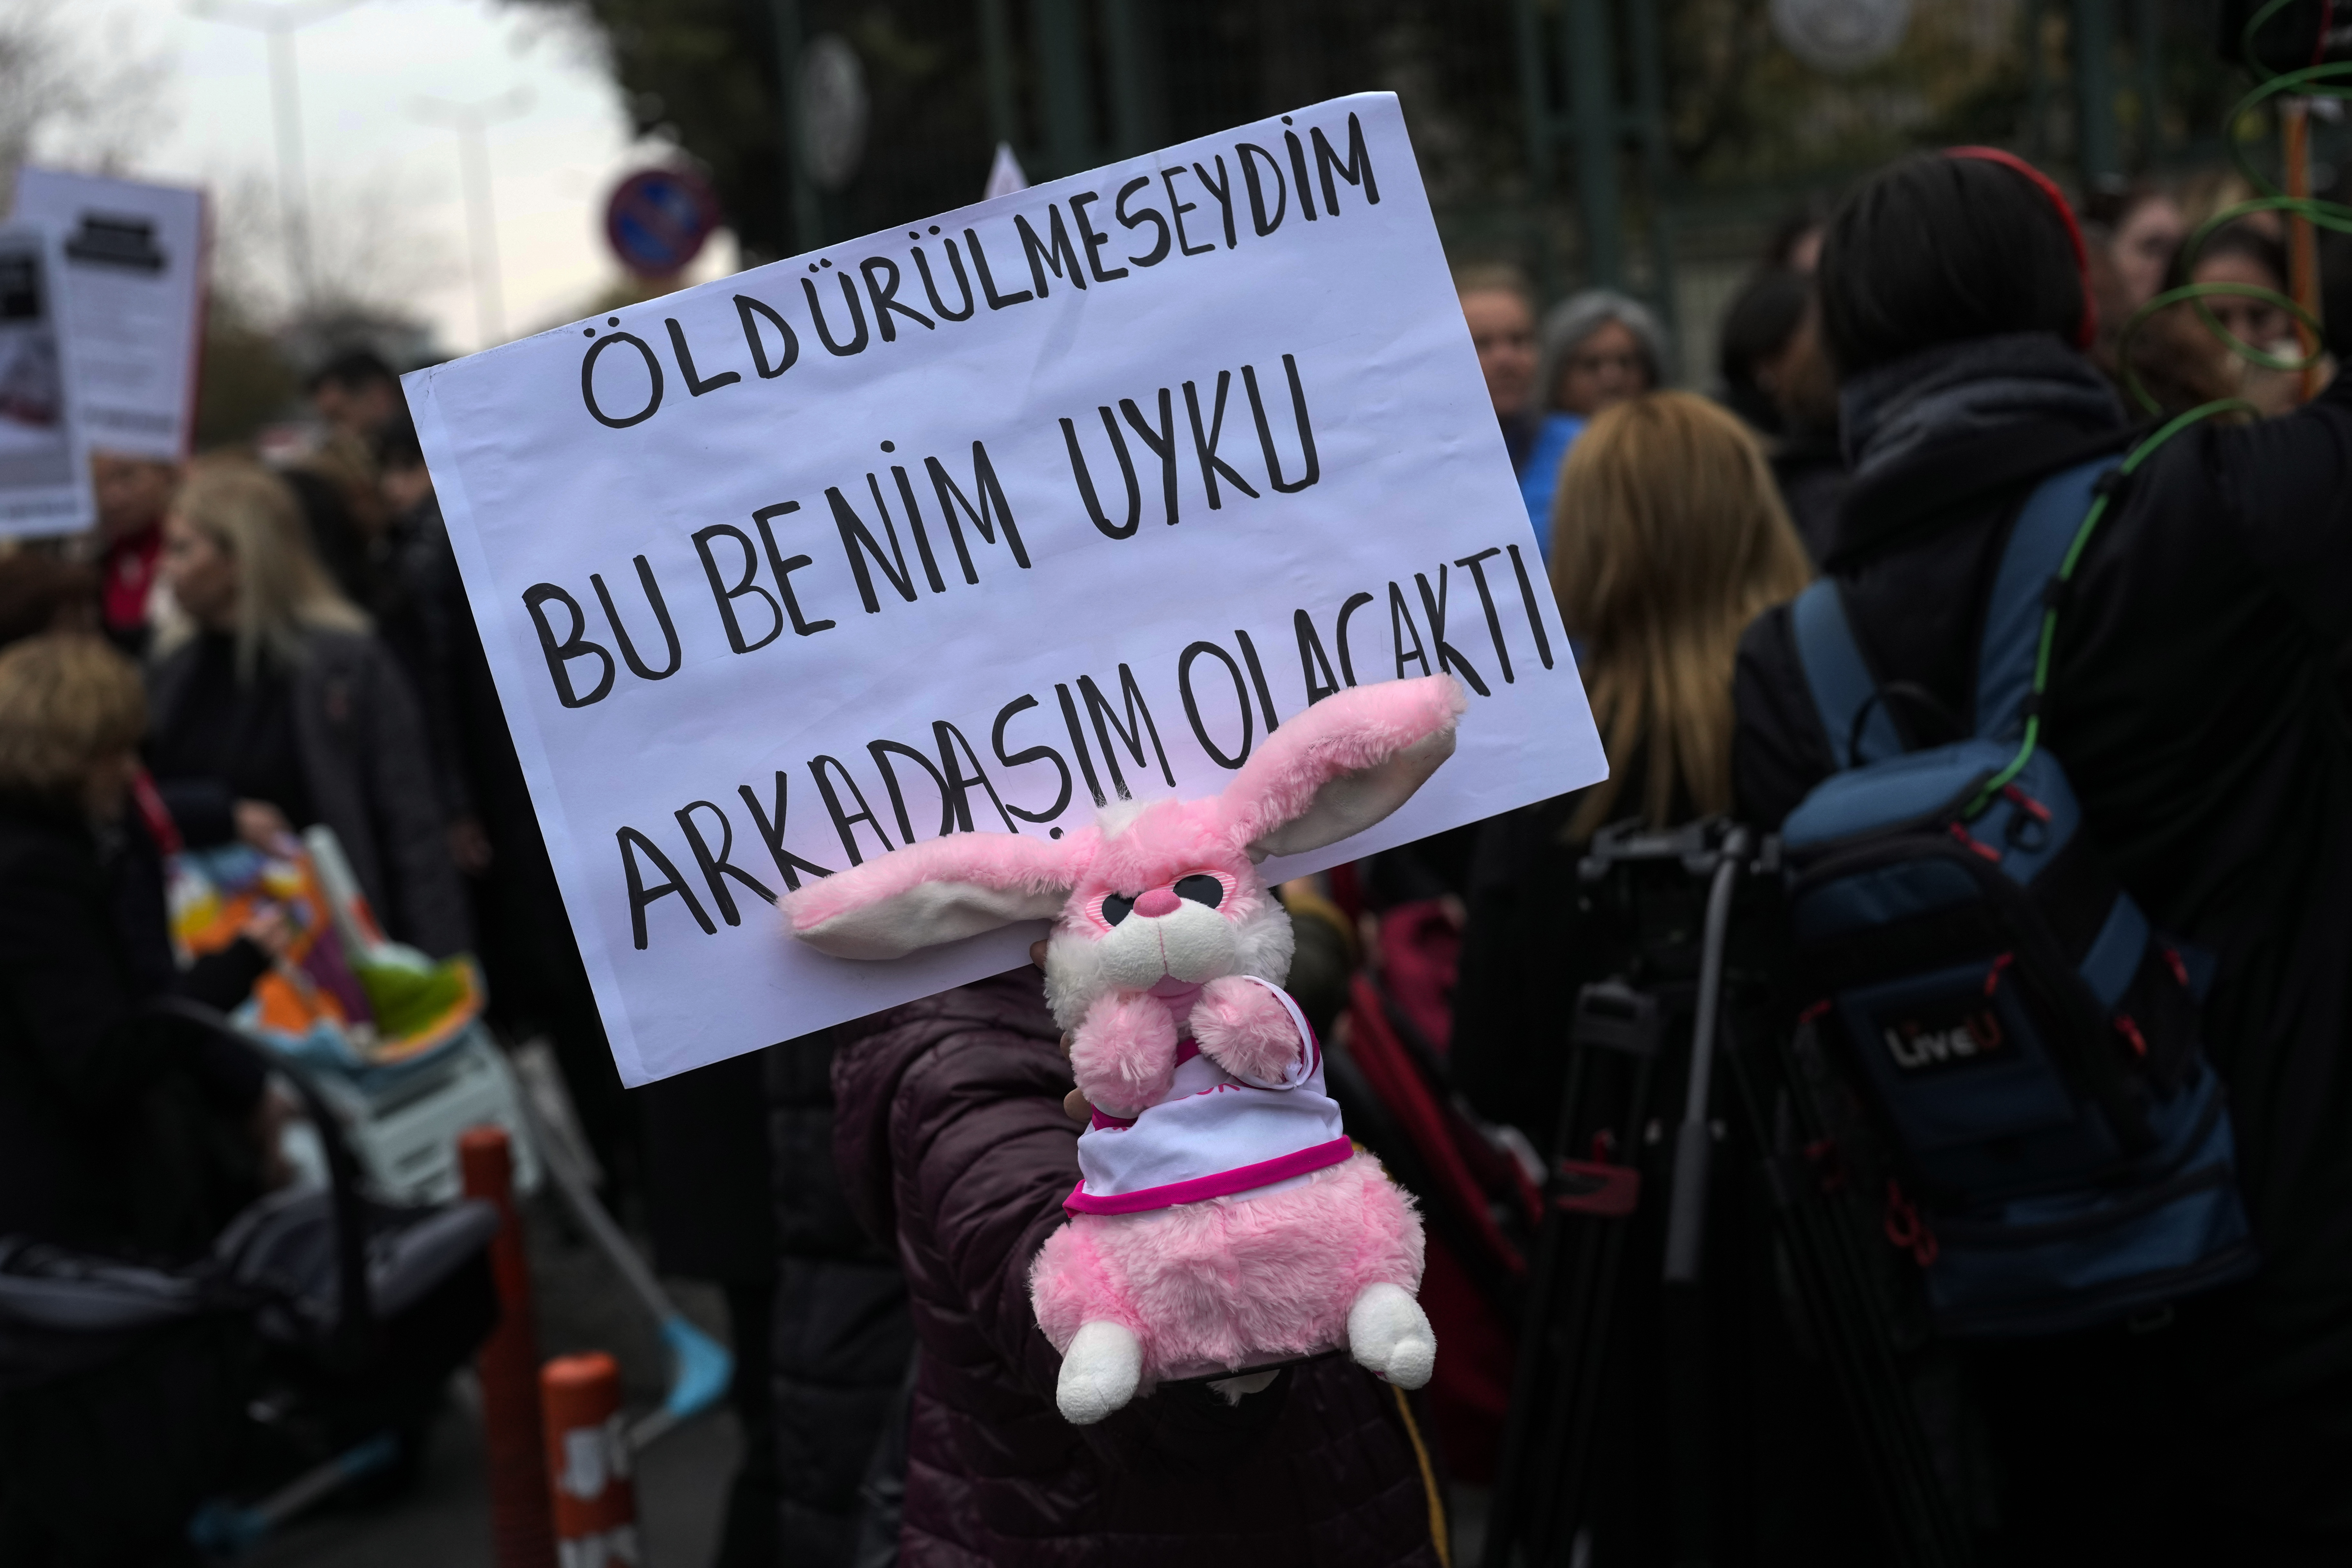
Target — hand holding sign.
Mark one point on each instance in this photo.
(1166, 939)
(1068, 497)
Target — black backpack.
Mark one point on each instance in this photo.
(2026, 1042)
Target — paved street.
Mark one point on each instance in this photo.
(444, 1521)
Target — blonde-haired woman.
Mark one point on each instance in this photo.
(1668, 536)
(275, 708)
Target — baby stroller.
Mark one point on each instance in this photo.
(312, 1346)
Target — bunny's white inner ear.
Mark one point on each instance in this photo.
(926, 914)
(1354, 802)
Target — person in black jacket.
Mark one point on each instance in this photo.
(539, 986)
(114, 1133)
(418, 609)
(1770, 355)
(2191, 703)
(707, 1209)
(839, 1330)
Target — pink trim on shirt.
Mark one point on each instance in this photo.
(1299, 1162)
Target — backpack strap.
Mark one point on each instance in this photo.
(1843, 692)
(2046, 528)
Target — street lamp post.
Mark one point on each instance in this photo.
(281, 22)
(471, 121)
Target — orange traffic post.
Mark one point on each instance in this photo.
(521, 1533)
(588, 1455)
(2302, 239)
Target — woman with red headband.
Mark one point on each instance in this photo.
(2193, 703)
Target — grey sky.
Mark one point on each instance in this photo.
(380, 175)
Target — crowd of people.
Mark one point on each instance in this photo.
(1898, 375)
(246, 651)
(239, 653)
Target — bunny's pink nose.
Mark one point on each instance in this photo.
(1160, 901)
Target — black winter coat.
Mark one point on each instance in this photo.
(2191, 703)
(369, 775)
(113, 1135)
(839, 1334)
(952, 1140)
(1529, 945)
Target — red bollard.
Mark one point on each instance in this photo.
(588, 1455)
(522, 1535)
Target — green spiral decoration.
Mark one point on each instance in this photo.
(2329, 81)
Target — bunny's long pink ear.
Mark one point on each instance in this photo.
(1343, 765)
(934, 892)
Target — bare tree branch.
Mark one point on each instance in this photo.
(90, 96)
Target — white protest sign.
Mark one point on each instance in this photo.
(136, 256)
(980, 523)
(44, 467)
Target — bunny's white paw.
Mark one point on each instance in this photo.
(1100, 1369)
(1388, 1334)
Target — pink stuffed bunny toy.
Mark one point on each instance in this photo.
(1222, 1220)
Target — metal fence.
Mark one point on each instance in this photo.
(1576, 138)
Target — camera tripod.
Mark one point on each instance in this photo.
(1626, 1229)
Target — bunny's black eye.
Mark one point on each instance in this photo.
(1116, 908)
(1201, 888)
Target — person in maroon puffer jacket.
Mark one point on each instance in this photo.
(954, 1148)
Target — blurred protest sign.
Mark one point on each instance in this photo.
(135, 300)
(44, 467)
(983, 523)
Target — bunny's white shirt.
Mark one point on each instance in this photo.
(1214, 1134)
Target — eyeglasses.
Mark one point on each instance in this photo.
(1594, 364)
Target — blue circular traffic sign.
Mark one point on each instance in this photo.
(659, 220)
